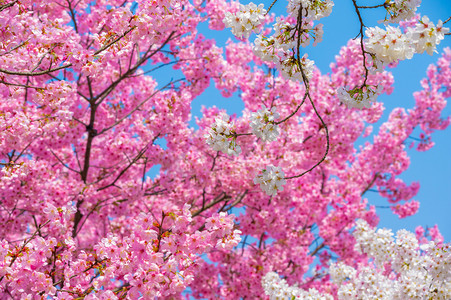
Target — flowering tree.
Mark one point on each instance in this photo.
(81, 114)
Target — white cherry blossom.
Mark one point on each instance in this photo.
(389, 45)
(248, 19)
(221, 136)
(425, 36)
(263, 125)
(400, 10)
(271, 180)
(358, 97)
(311, 9)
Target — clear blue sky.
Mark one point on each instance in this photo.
(431, 168)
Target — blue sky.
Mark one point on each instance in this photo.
(431, 168)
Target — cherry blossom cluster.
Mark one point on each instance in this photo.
(54, 99)
(396, 269)
(400, 10)
(290, 69)
(159, 257)
(403, 269)
(286, 62)
(222, 136)
(278, 289)
(358, 97)
(340, 272)
(391, 45)
(221, 227)
(249, 18)
(277, 48)
(426, 36)
(85, 124)
(311, 10)
(263, 125)
(271, 180)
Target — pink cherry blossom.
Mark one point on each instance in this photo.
(107, 191)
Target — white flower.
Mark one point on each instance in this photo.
(388, 45)
(400, 10)
(358, 97)
(318, 34)
(271, 180)
(277, 288)
(283, 35)
(420, 272)
(290, 70)
(339, 272)
(425, 36)
(263, 125)
(264, 48)
(311, 9)
(249, 18)
(221, 136)
(391, 45)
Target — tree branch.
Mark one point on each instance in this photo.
(8, 5)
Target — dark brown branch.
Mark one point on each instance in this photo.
(144, 173)
(95, 207)
(14, 48)
(72, 15)
(214, 161)
(43, 56)
(269, 8)
(321, 246)
(307, 92)
(8, 5)
(113, 42)
(327, 144)
(91, 134)
(22, 152)
(374, 6)
(77, 218)
(370, 184)
(64, 165)
(237, 201)
(295, 111)
(361, 42)
(99, 98)
(134, 160)
(260, 241)
(84, 172)
(35, 73)
(217, 200)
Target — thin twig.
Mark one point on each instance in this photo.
(137, 107)
(64, 165)
(5, 6)
(269, 8)
(376, 175)
(307, 92)
(295, 111)
(362, 25)
(374, 6)
(26, 241)
(35, 73)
